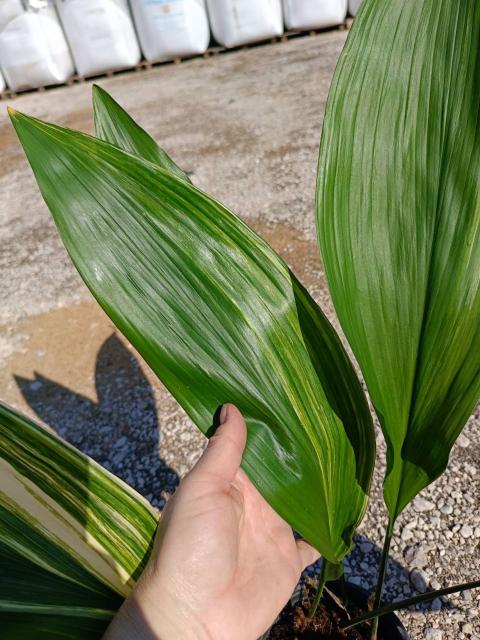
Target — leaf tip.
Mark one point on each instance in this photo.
(98, 91)
(17, 116)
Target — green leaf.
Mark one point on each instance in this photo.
(73, 537)
(114, 125)
(398, 205)
(410, 602)
(220, 318)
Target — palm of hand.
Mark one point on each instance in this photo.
(229, 558)
(241, 559)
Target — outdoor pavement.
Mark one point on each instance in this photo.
(247, 125)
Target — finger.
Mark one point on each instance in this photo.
(223, 455)
(308, 554)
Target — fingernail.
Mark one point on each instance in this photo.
(224, 414)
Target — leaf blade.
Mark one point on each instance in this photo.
(113, 124)
(73, 538)
(214, 312)
(399, 236)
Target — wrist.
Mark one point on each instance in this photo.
(167, 617)
(150, 615)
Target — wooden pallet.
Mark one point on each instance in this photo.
(146, 65)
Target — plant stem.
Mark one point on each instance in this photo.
(321, 585)
(381, 576)
(403, 604)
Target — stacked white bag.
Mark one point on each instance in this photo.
(171, 28)
(33, 49)
(237, 22)
(354, 6)
(100, 34)
(314, 14)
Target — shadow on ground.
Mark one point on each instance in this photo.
(120, 430)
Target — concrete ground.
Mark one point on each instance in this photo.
(247, 125)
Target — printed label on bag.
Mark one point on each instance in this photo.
(168, 15)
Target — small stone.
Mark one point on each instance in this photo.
(421, 505)
(118, 457)
(357, 580)
(416, 556)
(420, 559)
(409, 554)
(36, 385)
(366, 547)
(436, 605)
(466, 531)
(419, 580)
(416, 615)
(466, 595)
(463, 441)
(433, 634)
(447, 509)
(467, 628)
(407, 534)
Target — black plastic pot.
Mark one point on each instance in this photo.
(389, 626)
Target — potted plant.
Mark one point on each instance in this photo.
(220, 317)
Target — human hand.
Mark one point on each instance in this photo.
(224, 563)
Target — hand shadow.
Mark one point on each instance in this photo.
(120, 431)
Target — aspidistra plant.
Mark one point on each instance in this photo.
(398, 212)
(220, 317)
(216, 313)
(73, 537)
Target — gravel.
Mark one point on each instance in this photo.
(247, 125)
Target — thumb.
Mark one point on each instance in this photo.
(223, 455)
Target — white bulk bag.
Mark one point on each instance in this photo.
(9, 9)
(171, 28)
(100, 34)
(354, 6)
(236, 22)
(314, 14)
(33, 49)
